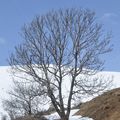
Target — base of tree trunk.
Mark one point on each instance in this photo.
(64, 118)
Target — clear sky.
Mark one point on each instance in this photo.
(15, 13)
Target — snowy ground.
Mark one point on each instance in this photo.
(78, 117)
(6, 83)
(5, 86)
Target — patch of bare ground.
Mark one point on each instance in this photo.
(103, 107)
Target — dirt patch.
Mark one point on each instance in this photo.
(103, 107)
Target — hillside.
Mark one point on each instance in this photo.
(6, 82)
(103, 107)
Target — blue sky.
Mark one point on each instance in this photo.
(15, 13)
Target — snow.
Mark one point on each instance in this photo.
(6, 85)
(55, 116)
(79, 118)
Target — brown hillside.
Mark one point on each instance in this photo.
(103, 107)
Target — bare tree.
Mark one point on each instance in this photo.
(59, 48)
(4, 117)
(24, 100)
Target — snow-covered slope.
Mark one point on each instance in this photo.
(55, 116)
(5, 86)
(6, 81)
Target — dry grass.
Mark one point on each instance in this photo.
(103, 107)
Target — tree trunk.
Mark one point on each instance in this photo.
(64, 117)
